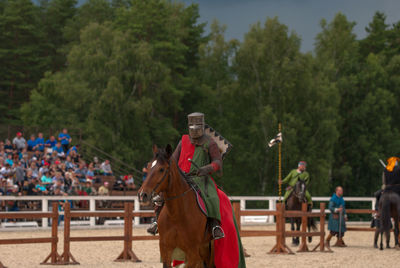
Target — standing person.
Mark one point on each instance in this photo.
(19, 142)
(65, 139)
(297, 174)
(337, 218)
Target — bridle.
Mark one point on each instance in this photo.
(300, 195)
(167, 175)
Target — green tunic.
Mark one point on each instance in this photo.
(292, 179)
(201, 158)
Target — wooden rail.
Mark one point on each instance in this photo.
(53, 258)
(280, 233)
(128, 215)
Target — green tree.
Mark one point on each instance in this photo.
(22, 55)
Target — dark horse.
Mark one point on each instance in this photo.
(389, 207)
(294, 202)
(181, 224)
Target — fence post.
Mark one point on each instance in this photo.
(242, 207)
(236, 210)
(127, 254)
(271, 207)
(54, 256)
(67, 235)
(304, 220)
(137, 209)
(92, 208)
(45, 208)
(280, 247)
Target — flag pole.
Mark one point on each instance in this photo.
(280, 164)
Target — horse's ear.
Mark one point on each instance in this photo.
(155, 149)
(168, 150)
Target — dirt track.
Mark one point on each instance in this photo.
(101, 254)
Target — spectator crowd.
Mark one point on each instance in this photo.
(50, 167)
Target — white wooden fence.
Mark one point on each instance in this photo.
(244, 200)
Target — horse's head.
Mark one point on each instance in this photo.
(157, 179)
(300, 189)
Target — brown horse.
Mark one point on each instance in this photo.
(294, 202)
(389, 207)
(181, 224)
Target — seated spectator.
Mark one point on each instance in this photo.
(8, 148)
(6, 171)
(40, 142)
(89, 189)
(25, 160)
(19, 142)
(119, 184)
(74, 157)
(50, 143)
(103, 190)
(31, 189)
(9, 159)
(41, 190)
(129, 181)
(38, 155)
(145, 170)
(32, 144)
(13, 205)
(34, 168)
(90, 171)
(65, 139)
(59, 149)
(46, 180)
(69, 164)
(73, 148)
(81, 171)
(106, 168)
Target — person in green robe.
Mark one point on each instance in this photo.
(291, 179)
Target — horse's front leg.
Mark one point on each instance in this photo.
(298, 225)
(166, 255)
(193, 259)
(292, 228)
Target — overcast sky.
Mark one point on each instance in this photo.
(301, 16)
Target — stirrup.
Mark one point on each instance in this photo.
(153, 229)
(217, 232)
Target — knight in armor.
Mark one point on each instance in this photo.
(206, 160)
(297, 174)
(390, 182)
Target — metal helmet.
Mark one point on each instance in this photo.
(196, 125)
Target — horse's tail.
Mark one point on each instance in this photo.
(385, 212)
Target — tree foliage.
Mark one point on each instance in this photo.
(127, 72)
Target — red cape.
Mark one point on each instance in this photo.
(226, 249)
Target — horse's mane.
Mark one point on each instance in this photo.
(161, 156)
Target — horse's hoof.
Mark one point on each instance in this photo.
(375, 246)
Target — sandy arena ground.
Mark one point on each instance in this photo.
(360, 252)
